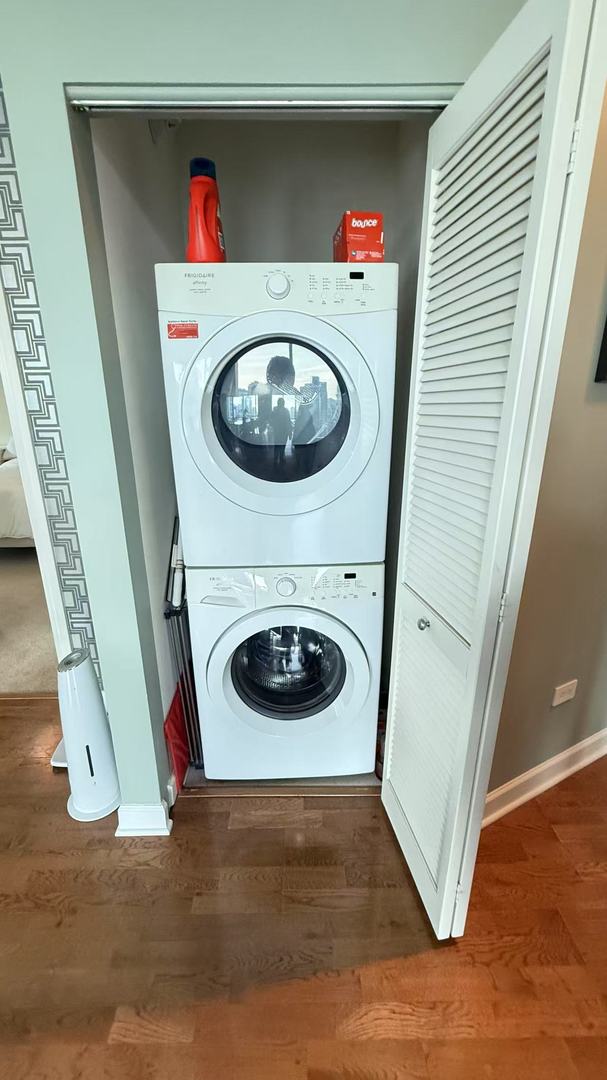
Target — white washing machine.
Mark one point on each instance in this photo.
(279, 384)
(287, 664)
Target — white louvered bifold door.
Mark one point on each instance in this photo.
(497, 169)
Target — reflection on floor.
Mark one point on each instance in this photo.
(28, 664)
(282, 939)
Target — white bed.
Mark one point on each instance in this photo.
(15, 526)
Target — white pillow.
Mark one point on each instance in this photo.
(9, 450)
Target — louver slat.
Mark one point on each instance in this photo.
(480, 235)
(492, 283)
(509, 241)
(495, 305)
(468, 348)
(497, 120)
(493, 209)
(526, 123)
(494, 187)
(502, 262)
(525, 144)
(478, 229)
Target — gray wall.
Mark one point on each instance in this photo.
(562, 626)
(285, 184)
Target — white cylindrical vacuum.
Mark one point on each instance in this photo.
(89, 752)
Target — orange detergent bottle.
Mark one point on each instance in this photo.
(205, 235)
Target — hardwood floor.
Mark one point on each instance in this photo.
(283, 939)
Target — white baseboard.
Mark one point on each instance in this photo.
(144, 819)
(544, 776)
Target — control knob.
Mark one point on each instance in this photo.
(278, 286)
(285, 586)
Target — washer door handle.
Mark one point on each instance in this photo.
(423, 624)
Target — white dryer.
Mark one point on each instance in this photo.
(279, 384)
(287, 664)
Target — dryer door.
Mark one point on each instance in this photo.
(280, 412)
(289, 671)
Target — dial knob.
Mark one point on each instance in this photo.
(278, 286)
(285, 586)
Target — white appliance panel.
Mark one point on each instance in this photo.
(286, 663)
(243, 499)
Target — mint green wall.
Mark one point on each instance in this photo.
(205, 41)
(47, 45)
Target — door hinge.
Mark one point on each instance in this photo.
(575, 138)
(504, 598)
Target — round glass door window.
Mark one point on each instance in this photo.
(288, 672)
(281, 410)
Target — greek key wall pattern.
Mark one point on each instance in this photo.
(28, 335)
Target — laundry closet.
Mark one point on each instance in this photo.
(284, 182)
(471, 216)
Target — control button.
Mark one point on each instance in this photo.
(285, 586)
(278, 286)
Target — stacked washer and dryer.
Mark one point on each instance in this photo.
(279, 384)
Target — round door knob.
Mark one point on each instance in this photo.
(423, 624)
(285, 586)
(278, 286)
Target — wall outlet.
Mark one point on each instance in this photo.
(564, 692)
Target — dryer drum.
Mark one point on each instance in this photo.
(288, 672)
(281, 409)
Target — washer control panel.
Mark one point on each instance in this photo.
(324, 586)
(318, 584)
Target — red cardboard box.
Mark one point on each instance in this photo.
(359, 237)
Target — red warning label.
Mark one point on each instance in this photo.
(182, 329)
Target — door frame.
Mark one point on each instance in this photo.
(244, 99)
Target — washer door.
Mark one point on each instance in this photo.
(289, 671)
(280, 412)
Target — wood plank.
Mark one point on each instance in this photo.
(281, 937)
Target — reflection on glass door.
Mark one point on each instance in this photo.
(288, 672)
(281, 410)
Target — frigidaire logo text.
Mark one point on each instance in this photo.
(198, 275)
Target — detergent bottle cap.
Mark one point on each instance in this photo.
(202, 166)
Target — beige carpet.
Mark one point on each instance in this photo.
(28, 664)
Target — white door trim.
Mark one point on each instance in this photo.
(33, 407)
(256, 97)
(589, 113)
(9, 375)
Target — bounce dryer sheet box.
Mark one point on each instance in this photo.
(359, 237)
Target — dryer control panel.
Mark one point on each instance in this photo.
(323, 586)
(237, 289)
